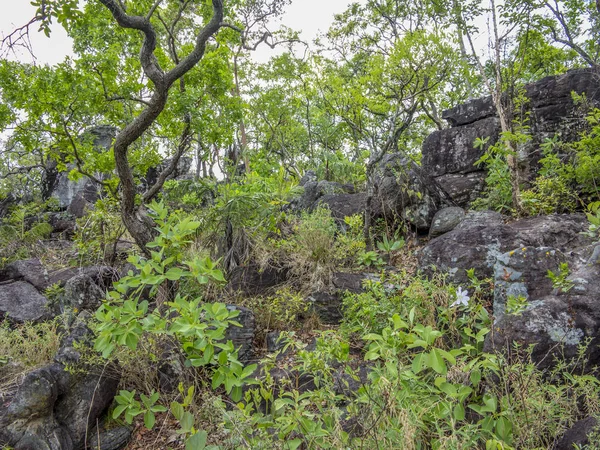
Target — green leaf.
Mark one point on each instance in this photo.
(436, 361)
(459, 412)
(149, 420)
(197, 441)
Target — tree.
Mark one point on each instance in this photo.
(149, 94)
(389, 60)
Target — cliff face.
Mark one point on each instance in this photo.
(449, 154)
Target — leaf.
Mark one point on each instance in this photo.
(294, 443)
(459, 412)
(504, 429)
(118, 411)
(436, 362)
(149, 420)
(197, 441)
(177, 410)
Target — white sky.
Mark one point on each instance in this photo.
(310, 16)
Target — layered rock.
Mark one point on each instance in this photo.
(449, 155)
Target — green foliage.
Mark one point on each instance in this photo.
(198, 327)
(370, 259)
(98, 232)
(516, 305)
(560, 280)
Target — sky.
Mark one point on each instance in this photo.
(309, 16)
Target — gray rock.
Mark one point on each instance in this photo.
(578, 434)
(555, 322)
(113, 439)
(478, 241)
(65, 190)
(30, 270)
(445, 220)
(462, 189)
(405, 191)
(469, 112)
(344, 205)
(522, 272)
(242, 337)
(452, 150)
(328, 305)
(21, 302)
(53, 409)
(82, 293)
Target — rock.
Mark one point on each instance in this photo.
(28, 422)
(113, 439)
(21, 302)
(6, 203)
(314, 190)
(523, 272)
(469, 112)
(478, 241)
(59, 186)
(53, 409)
(328, 305)
(403, 190)
(445, 220)
(250, 281)
(555, 322)
(462, 189)
(578, 434)
(242, 337)
(30, 270)
(452, 150)
(79, 205)
(81, 293)
(273, 342)
(344, 205)
(449, 154)
(183, 168)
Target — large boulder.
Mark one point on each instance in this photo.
(449, 155)
(54, 409)
(84, 190)
(481, 238)
(403, 190)
(556, 321)
(315, 191)
(21, 302)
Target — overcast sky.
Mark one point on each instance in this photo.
(310, 16)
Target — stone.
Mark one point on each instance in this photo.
(53, 409)
(183, 168)
(445, 220)
(81, 293)
(344, 205)
(59, 186)
(242, 337)
(21, 302)
(469, 112)
(113, 439)
(30, 270)
(404, 191)
(328, 305)
(452, 150)
(555, 321)
(478, 241)
(250, 281)
(462, 189)
(578, 434)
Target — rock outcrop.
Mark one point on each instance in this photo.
(449, 155)
(53, 409)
